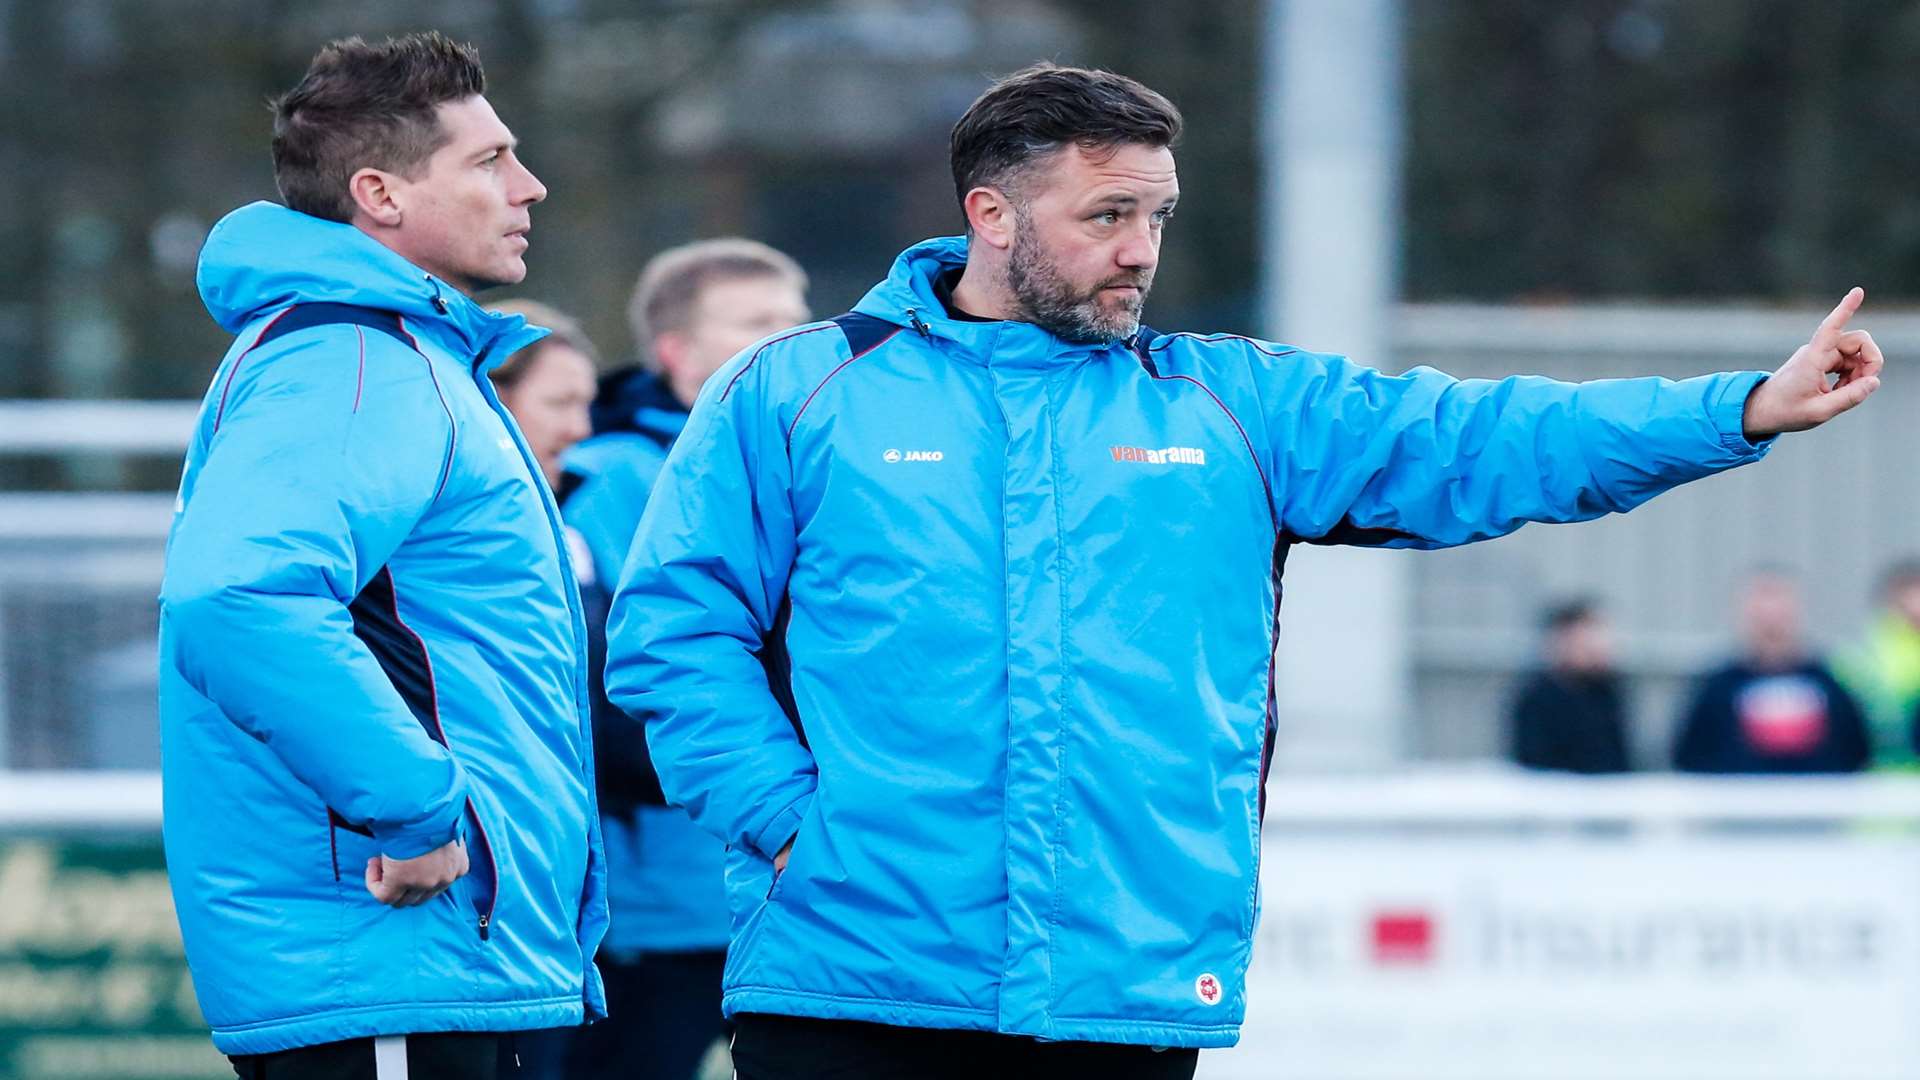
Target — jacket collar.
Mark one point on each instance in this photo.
(264, 257)
(910, 297)
(633, 399)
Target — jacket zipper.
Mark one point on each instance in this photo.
(492, 899)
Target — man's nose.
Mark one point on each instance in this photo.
(531, 189)
(1141, 251)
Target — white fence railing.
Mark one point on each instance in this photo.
(1429, 798)
(52, 427)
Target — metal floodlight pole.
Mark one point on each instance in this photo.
(1330, 130)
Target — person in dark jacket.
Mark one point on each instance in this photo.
(1570, 715)
(1775, 708)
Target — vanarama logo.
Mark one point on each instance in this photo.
(1171, 455)
(894, 456)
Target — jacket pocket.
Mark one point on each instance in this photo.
(335, 824)
(801, 841)
(482, 880)
(483, 873)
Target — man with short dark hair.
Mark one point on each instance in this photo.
(955, 615)
(1570, 715)
(379, 811)
(694, 307)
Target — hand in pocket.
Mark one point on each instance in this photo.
(408, 882)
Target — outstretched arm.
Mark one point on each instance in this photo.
(1426, 460)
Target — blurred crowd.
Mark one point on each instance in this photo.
(1777, 705)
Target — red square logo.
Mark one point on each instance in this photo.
(1402, 938)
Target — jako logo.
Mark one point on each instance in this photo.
(1172, 455)
(893, 456)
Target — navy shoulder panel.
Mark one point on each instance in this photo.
(302, 316)
(864, 332)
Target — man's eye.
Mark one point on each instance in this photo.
(1108, 217)
(1162, 216)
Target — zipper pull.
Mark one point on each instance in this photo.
(485, 920)
(921, 328)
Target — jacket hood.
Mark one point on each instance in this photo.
(263, 257)
(633, 399)
(908, 294)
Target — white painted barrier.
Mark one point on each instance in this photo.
(1489, 925)
(1501, 927)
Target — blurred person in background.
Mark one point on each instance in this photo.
(548, 386)
(1571, 714)
(693, 308)
(378, 819)
(1775, 708)
(1882, 669)
(954, 615)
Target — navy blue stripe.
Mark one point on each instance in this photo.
(376, 621)
(779, 666)
(1272, 726)
(863, 331)
(1346, 534)
(338, 822)
(304, 316)
(402, 656)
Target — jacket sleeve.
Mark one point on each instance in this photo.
(316, 467)
(693, 623)
(1427, 460)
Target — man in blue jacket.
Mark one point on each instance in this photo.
(694, 307)
(956, 613)
(379, 811)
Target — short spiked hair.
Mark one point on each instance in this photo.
(363, 106)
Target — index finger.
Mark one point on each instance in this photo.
(1837, 318)
(1859, 345)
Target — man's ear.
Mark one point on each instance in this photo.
(376, 196)
(670, 351)
(990, 215)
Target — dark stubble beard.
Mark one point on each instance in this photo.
(1048, 300)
